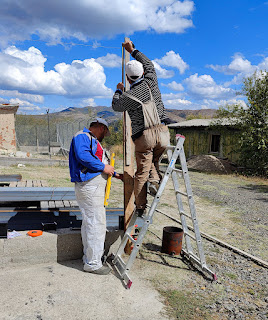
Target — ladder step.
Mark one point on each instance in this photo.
(188, 234)
(130, 238)
(182, 193)
(171, 147)
(164, 169)
(192, 256)
(120, 264)
(186, 215)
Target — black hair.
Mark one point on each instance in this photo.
(96, 124)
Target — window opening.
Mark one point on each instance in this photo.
(215, 143)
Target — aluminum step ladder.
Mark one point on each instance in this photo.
(123, 267)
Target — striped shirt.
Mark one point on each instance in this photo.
(140, 90)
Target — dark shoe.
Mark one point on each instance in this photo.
(101, 271)
(140, 212)
(153, 188)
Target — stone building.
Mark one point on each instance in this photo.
(7, 127)
(202, 138)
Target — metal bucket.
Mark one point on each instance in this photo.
(172, 240)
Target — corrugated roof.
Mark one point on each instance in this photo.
(200, 123)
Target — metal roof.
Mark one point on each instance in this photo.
(200, 123)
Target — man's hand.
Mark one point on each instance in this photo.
(108, 170)
(120, 86)
(119, 176)
(128, 45)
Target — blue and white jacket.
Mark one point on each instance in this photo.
(83, 163)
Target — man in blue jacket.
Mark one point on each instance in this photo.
(89, 170)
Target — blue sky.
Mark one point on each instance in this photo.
(65, 53)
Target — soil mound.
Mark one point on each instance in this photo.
(209, 163)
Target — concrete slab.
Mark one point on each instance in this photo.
(52, 246)
(63, 291)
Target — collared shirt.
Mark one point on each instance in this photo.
(136, 82)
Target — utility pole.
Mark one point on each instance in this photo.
(128, 156)
(37, 142)
(48, 133)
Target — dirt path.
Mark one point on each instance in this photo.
(230, 208)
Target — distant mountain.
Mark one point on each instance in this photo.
(74, 114)
(182, 115)
(108, 114)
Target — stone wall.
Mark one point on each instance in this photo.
(7, 127)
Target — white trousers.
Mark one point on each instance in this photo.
(90, 197)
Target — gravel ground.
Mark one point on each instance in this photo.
(241, 289)
(246, 197)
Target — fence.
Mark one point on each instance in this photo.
(65, 132)
(39, 138)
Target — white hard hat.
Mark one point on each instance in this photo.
(134, 70)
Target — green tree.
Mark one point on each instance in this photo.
(116, 137)
(253, 123)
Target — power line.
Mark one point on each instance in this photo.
(81, 44)
(162, 12)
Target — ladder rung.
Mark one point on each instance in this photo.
(130, 238)
(193, 256)
(177, 170)
(171, 147)
(188, 234)
(182, 193)
(186, 215)
(120, 264)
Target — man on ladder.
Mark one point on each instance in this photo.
(146, 110)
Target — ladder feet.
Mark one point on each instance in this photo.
(129, 283)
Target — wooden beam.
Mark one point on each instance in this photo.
(128, 157)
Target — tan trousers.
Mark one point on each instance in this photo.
(148, 149)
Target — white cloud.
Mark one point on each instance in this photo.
(171, 18)
(178, 104)
(88, 19)
(110, 61)
(24, 105)
(24, 72)
(264, 64)
(15, 93)
(174, 86)
(83, 78)
(172, 96)
(204, 87)
(88, 102)
(161, 72)
(175, 101)
(238, 65)
(172, 59)
(212, 104)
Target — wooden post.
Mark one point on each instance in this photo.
(128, 157)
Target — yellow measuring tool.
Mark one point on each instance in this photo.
(109, 182)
